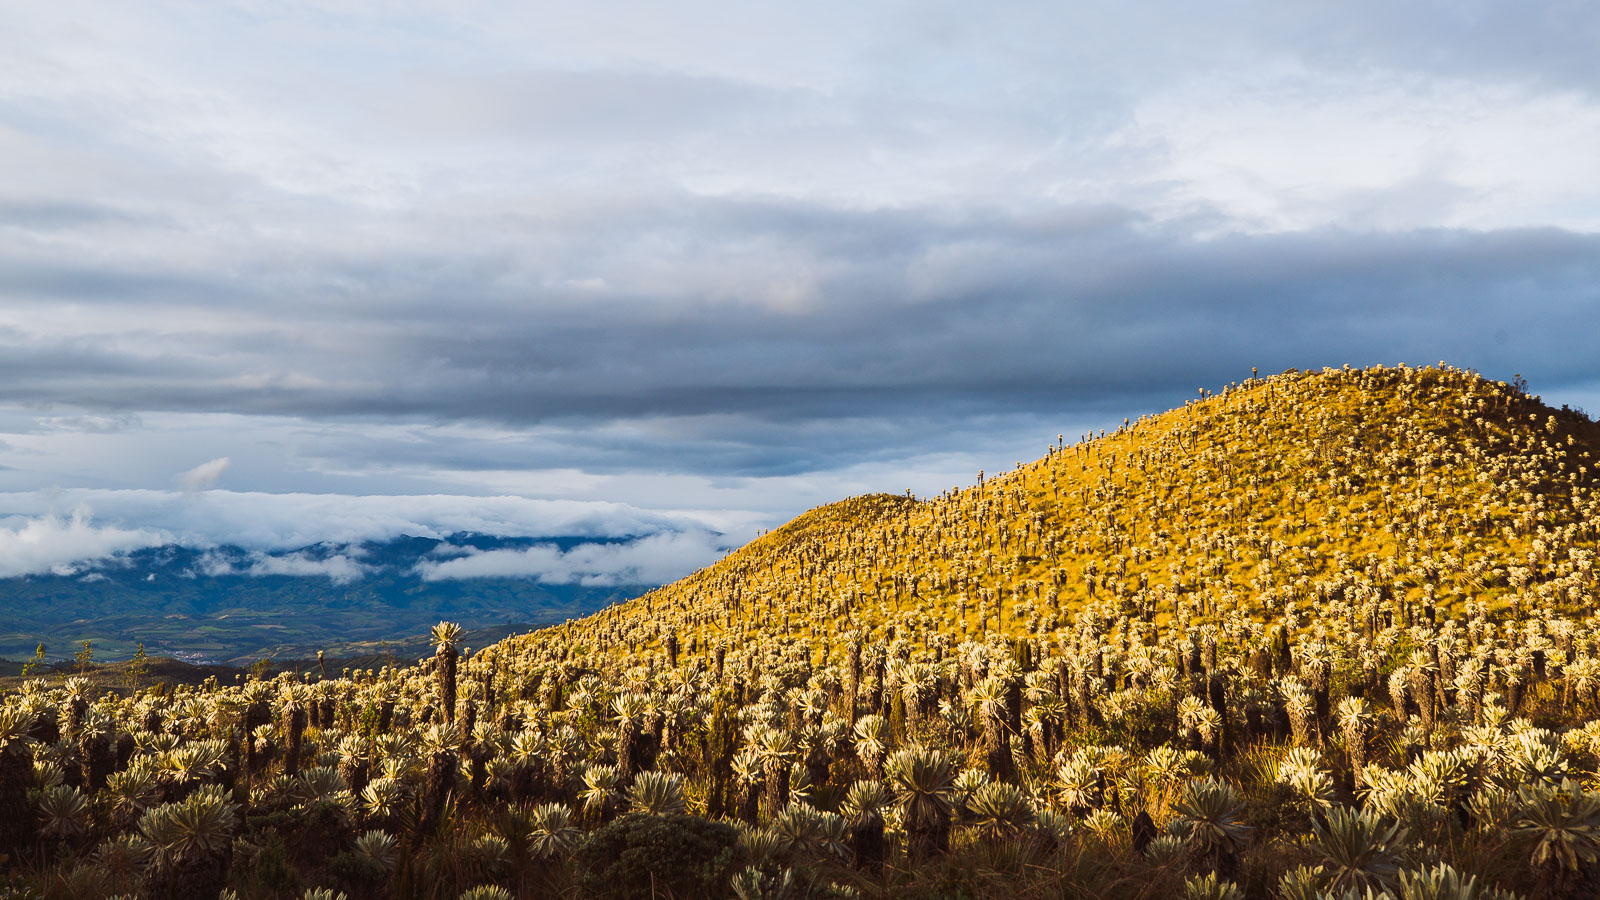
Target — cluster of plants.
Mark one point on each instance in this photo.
(1319, 635)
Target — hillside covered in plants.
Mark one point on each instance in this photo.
(1321, 634)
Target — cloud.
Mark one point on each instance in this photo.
(791, 313)
(88, 424)
(63, 546)
(50, 544)
(339, 568)
(342, 567)
(655, 559)
(204, 476)
(215, 565)
(280, 522)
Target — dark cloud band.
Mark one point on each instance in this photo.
(902, 317)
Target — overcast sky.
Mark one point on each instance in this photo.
(278, 272)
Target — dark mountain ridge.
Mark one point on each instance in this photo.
(231, 604)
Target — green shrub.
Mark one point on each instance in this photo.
(657, 856)
(356, 874)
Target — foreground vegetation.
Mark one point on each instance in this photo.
(1320, 635)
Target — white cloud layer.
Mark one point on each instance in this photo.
(289, 521)
(63, 546)
(35, 540)
(649, 560)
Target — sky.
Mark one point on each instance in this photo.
(274, 274)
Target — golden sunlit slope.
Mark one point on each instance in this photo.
(1430, 485)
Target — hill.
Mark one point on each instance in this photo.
(1432, 489)
(1318, 635)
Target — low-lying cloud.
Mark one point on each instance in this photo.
(340, 568)
(649, 560)
(633, 546)
(55, 545)
(289, 521)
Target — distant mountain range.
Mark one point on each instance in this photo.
(230, 604)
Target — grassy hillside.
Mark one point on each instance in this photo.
(1319, 635)
(1429, 490)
